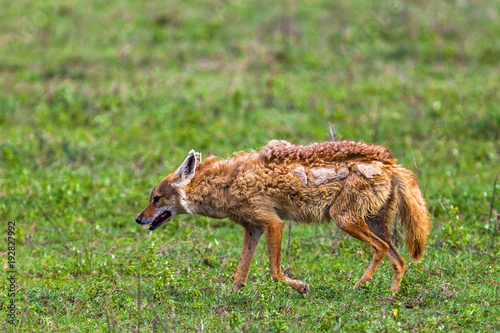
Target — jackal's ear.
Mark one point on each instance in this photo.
(186, 171)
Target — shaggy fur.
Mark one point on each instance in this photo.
(355, 184)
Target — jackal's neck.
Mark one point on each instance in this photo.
(210, 191)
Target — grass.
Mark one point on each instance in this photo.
(100, 100)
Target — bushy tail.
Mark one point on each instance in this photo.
(412, 208)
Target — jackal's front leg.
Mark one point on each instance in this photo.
(252, 236)
(274, 235)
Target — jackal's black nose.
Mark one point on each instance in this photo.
(138, 219)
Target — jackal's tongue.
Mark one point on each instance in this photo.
(164, 215)
(159, 220)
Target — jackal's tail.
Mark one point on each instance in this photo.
(413, 211)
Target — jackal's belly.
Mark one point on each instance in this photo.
(305, 203)
(305, 214)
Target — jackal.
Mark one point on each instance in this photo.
(357, 185)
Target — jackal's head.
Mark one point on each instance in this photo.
(168, 198)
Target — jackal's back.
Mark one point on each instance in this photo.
(279, 151)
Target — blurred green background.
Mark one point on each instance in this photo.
(101, 99)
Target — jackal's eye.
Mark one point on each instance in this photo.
(156, 198)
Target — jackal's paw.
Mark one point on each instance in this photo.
(301, 287)
(237, 287)
(362, 284)
(394, 290)
(304, 290)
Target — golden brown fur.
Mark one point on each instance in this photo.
(355, 184)
(280, 150)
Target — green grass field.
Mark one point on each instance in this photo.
(101, 99)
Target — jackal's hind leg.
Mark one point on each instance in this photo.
(357, 228)
(398, 266)
(378, 225)
(274, 235)
(252, 236)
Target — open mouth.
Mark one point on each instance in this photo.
(157, 222)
